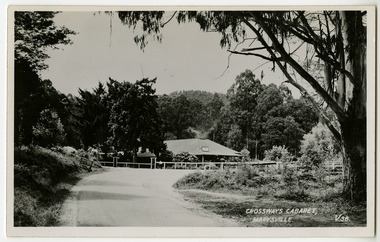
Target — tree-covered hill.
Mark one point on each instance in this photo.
(204, 96)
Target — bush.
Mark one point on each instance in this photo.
(49, 130)
(185, 157)
(245, 179)
(42, 179)
(295, 182)
(319, 146)
(278, 154)
(190, 180)
(167, 155)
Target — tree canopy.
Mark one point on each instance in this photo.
(34, 32)
(134, 121)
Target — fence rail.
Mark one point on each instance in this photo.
(332, 168)
(207, 165)
(184, 165)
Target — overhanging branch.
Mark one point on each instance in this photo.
(162, 25)
(296, 66)
(255, 54)
(254, 49)
(303, 91)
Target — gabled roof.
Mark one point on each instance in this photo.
(199, 147)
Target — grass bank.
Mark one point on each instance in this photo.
(273, 198)
(42, 181)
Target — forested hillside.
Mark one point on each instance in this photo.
(203, 96)
(251, 115)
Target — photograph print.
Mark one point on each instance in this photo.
(250, 120)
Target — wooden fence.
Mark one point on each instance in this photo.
(331, 168)
(86, 163)
(185, 165)
(208, 165)
(334, 168)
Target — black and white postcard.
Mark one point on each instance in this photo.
(191, 121)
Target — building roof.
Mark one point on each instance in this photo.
(199, 147)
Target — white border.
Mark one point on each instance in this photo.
(208, 232)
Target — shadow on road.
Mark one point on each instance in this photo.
(93, 195)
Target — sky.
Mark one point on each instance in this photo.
(187, 58)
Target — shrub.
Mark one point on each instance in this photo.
(294, 195)
(167, 155)
(278, 154)
(49, 130)
(319, 146)
(244, 178)
(295, 182)
(245, 154)
(190, 180)
(185, 157)
(41, 181)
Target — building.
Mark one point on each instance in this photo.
(204, 149)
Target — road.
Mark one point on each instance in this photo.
(135, 197)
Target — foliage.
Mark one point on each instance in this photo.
(242, 97)
(203, 96)
(282, 131)
(278, 119)
(72, 118)
(278, 154)
(134, 120)
(245, 179)
(48, 130)
(319, 146)
(268, 102)
(245, 154)
(42, 179)
(293, 186)
(166, 155)
(235, 139)
(302, 112)
(219, 131)
(178, 114)
(95, 113)
(291, 181)
(34, 33)
(185, 157)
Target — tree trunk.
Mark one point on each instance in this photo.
(354, 159)
(354, 138)
(134, 157)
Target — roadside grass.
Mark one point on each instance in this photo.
(281, 192)
(42, 181)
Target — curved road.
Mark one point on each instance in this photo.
(134, 197)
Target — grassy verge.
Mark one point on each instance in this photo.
(272, 199)
(42, 181)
